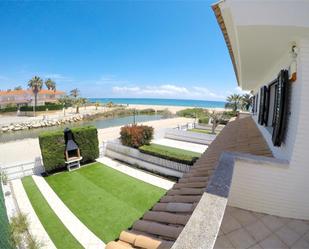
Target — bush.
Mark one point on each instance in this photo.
(136, 135)
(192, 112)
(147, 111)
(204, 120)
(52, 146)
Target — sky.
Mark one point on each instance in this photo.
(145, 49)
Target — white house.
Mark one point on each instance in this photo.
(268, 42)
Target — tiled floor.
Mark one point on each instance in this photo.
(243, 229)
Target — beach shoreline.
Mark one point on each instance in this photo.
(172, 109)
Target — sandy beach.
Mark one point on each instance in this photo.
(28, 149)
(172, 109)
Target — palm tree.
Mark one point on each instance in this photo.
(36, 84)
(50, 84)
(246, 101)
(74, 93)
(233, 101)
(77, 101)
(18, 88)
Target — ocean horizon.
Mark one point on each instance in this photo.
(163, 102)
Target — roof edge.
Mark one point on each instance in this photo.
(217, 11)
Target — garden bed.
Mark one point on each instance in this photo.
(201, 131)
(170, 153)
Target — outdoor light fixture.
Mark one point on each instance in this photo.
(293, 66)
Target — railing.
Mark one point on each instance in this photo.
(19, 170)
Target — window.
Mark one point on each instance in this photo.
(273, 107)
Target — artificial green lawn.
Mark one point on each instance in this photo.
(171, 153)
(58, 233)
(104, 199)
(201, 131)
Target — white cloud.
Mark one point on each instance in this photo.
(240, 91)
(58, 77)
(168, 90)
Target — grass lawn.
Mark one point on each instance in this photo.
(58, 233)
(201, 131)
(105, 200)
(170, 153)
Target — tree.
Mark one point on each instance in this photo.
(74, 93)
(36, 84)
(18, 88)
(50, 84)
(215, 119)
(246, 101)
(77, 101)
(233, 101)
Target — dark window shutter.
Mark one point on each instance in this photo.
(261, 106)
(280, 112)
(266, 105)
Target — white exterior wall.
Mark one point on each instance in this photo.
(281, 190)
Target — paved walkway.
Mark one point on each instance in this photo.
(245, 229)
(36, 229)
(141, 175)
(82, 234)
(200, 148)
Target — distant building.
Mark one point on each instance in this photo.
(26, 97)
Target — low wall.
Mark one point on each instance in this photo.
(189, 136)
(236, 183)
(133, 156)
(208, 127)
(19, 170)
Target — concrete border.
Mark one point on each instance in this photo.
(81, 233)
(36, 228)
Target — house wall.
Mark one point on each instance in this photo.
(285, 151)
(274, 189)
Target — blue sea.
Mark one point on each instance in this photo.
(168, 102)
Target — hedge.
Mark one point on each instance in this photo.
(170, 153)
(5, 241)
(9, 109)
(52, 146)
(41, 108)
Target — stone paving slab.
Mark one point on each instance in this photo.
(136, 173)
(82, 234)
(36, 228)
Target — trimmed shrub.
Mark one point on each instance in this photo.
(87, 141)
(136, 135)
(52, 146)
(170, 153)
(41, 108)
(9, 109)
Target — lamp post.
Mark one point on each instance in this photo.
(134, 112)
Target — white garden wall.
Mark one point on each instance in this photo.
(133, 156)
(189, 136)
